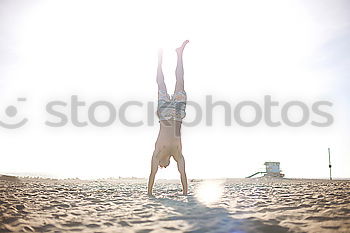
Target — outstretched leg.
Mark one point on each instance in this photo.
(179, 72)
(160, 75)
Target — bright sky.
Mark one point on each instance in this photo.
(238, 51)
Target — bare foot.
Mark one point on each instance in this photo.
(182, 47)
(160, 55)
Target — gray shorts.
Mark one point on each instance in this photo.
(171, 108)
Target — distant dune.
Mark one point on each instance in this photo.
(9, 178)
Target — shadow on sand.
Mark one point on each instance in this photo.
(201, 218)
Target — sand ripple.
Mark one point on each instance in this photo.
(245, 205)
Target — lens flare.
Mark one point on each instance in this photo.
(210, 191)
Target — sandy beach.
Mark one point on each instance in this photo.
(233, 205)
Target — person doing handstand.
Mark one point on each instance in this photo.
(170, 111)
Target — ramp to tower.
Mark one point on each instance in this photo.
(256, 173)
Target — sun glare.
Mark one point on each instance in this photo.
(209, 191)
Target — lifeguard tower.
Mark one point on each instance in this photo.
(272, 170)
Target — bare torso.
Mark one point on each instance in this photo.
(169, 140)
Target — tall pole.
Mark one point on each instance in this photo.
(329, 162)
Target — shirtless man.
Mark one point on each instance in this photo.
(170, 111)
